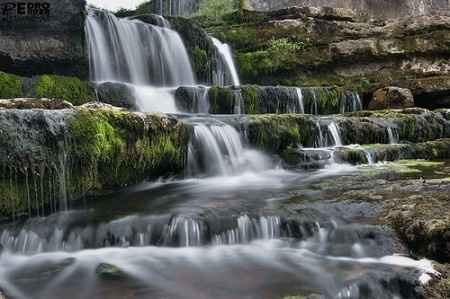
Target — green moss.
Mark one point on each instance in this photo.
(64, 88)
(221, 100)
(200, 60)
(96, 138)
(119, 148)
(250, 97)
(275, 133)
(10, 86)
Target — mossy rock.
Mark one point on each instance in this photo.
(70, 89)
(51, 158)
(10, 86)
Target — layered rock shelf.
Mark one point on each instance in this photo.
(51, 157)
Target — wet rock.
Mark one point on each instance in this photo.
(108, 271)
(30, 103)
(439, 288)
(432, 150)
(392, 98)
(116, 94)
(75, 152)
(255, 99)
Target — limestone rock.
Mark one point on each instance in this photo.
(374, 8)
(32, 103)
(46, 44)
(392, 98)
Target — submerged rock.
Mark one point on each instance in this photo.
(108, 271)
(392, 98)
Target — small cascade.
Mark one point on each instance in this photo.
(217, 149)
(301, 104)
(149, 57)
(226, 72)
(351, 102)
(201, 100)
(320, 140)
(249, 229)
(393, 135)
(239, 106)
(185, 232)
(334, 130)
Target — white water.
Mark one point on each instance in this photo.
(227, 59)
(393, 135)
(334, 130)
(152, 58)
(218, 149)
(300, 99)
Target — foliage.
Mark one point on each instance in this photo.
(64, 88)
(10, 86)
(216, 9)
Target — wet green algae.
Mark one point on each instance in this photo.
(98, 152)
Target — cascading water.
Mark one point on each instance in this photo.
(299, 93)
(151, 58)
(217, 149)
(298, 249)
(334, 130)
(392, 135)
(226, 72)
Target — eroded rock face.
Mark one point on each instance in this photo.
(51, 42)
(378, 8)
(318, 47)
(392, 98)
(60, 155)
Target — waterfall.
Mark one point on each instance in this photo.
(334, 130)
(147, 56)
(249, 229)
(300, 99)
(392, 134)
(201, 100)
(225, 65)
(217, 149)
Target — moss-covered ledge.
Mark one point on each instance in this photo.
(276, 133)
(70, 89)
(48, 158)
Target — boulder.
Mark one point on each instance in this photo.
(392, 98)
(117, 94)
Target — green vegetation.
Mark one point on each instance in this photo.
(221, 100)
(70, 89)
(10, 86)
(119, 149)
(216, 9)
